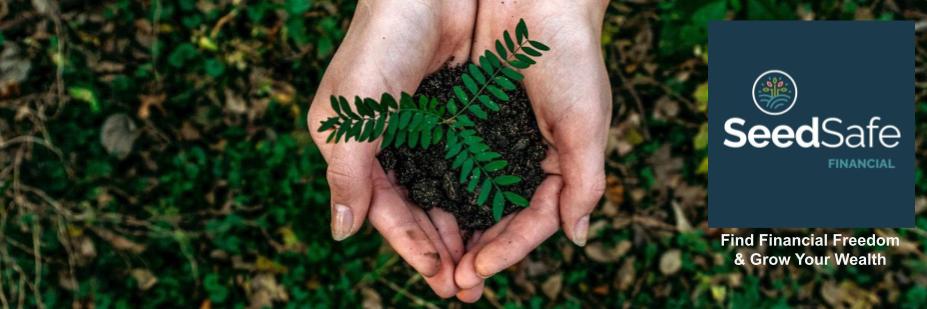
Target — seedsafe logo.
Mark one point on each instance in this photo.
(842, 157)
(775, 92)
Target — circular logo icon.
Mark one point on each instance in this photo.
(774, 92)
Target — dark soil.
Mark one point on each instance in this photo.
(429, 178)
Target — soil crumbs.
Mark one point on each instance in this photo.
(429, 178)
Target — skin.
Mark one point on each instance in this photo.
(570, 95)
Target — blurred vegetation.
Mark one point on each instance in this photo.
(156, 153)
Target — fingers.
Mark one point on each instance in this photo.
(349, 178)
(465, 275)
(527, 230)
(471, 295)
(582, 165)
(449, 232)
(399, 227)
(409, 231)
(441, 283)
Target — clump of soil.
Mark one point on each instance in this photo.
(429, 178)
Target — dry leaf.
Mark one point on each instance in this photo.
(552, 286)
(145, 278)
(266, 291)
(118, 135)
(600, 253)
(625, 277)
(682, 224)
(119, 242)
(671, 262)
(372, 299)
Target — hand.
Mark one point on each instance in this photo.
(390, 46)
(570, 94)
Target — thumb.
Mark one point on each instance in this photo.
(350, 181)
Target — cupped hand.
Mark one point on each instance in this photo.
(391, 46)
(571, 97)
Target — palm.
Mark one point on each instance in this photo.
(372, 59)
(571, 97)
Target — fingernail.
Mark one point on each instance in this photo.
(581, 231)
(342, 221)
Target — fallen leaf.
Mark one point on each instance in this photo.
(552, 286)
(118, 135)
(144, 278)
(682, 224)
(625, 277)
(671, 262)
(119, 242)
(701, 97)
(601, 253)
(372, 299)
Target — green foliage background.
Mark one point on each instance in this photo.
(222, 201)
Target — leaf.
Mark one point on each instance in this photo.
(486, 156)
(508, 72)
(413, 139)
(361, 107)
(416, 122)
(356, 130)
(387, 100)
(86, 95)
(540, 46)
(451, 106)
(476, 73)
(489, 103)
(297, 7)
(470, 84)
(377, 107)
(498, 93)
(486, 65)
(461, 157)
(437, 135)
(426, 139)
(496, 165)
(346, 108)
(519, 64)
(525, 59)
(118, 134)
(400, 138)
(329, 123)
(477, 111)
(404, 118)
(465, 170)
(506, 180)
(461, 95)
(475, 180)
(484, 192)
(671, 262)
(521, 31)
(501, 50)
(531, 51)
(453, 150)
(378, 128)
(508, 41)
(516, 199)
(493, 59)
(335, 106)
(465, 121)
(498, 206)
(504, 82)
(367, 130)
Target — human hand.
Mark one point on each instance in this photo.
(390, 46)
(570, 94)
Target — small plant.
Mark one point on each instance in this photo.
(425, 122)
